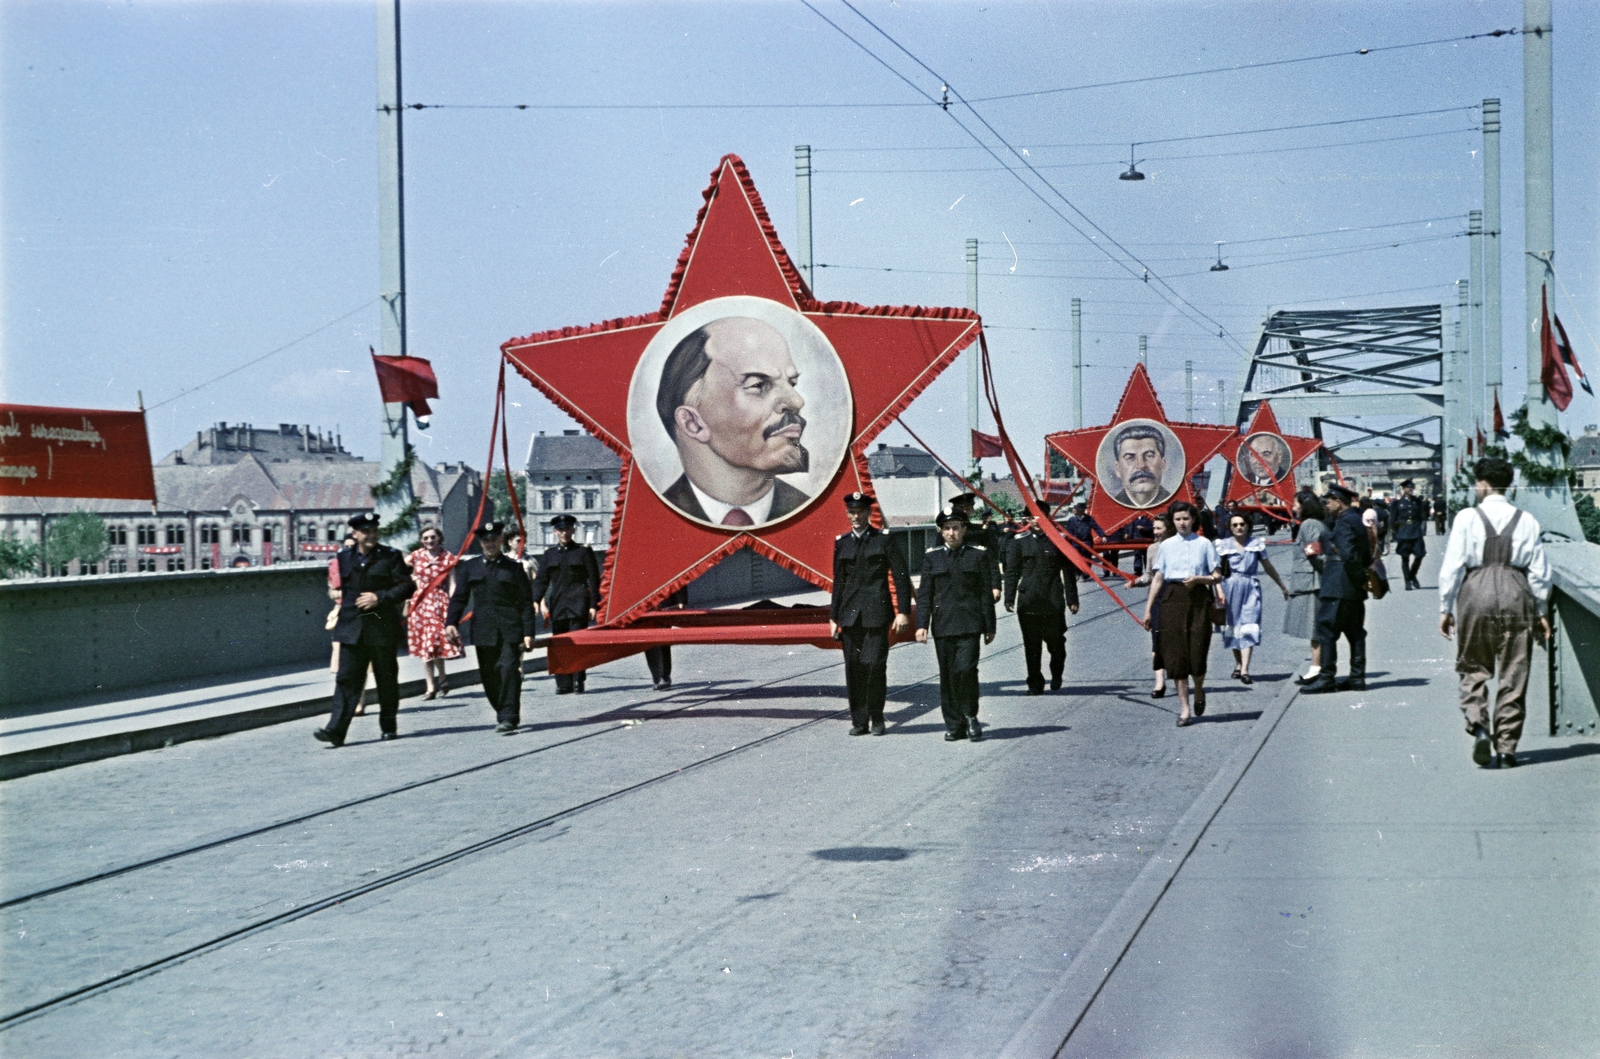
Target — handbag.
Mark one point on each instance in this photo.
(1377, 579)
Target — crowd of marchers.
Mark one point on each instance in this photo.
(1203, 569)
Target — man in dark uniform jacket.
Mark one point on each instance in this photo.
(374, 581)
(984, 536)
(956, 602)
(1083, 527)
(1040, 590)
(567, 590)
(1141, 528)
(1441, 510)
(860, 613)
(1410, 527)
(495, 588)
(1341, 602)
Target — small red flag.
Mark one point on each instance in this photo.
(1564, 347)
(406, 380)
(985, 445)
(1480, 439)
(1499, 420)
(1469, 446)
(1552, 372)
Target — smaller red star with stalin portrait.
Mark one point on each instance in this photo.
(1140, 462)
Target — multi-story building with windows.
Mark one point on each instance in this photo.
(571, 472)
(243, 496)
(1585, 462)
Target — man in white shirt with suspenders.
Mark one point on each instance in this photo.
(1493, 590)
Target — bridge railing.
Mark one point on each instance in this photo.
(1574, 655)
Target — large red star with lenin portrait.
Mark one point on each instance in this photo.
(1198, 443)
(1264, 477)
(889, 355)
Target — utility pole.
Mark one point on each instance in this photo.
(802, 191)
(1188, 391)
(395, 448)
(1552, 504)
(1453, 435)
(972, 353)
(1144, 351)
(1491, 250)
(1222, 402)
(1477, 377)
(1077, 364)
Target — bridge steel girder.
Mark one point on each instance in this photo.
(1330, 365)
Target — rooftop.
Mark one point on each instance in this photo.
(571, 450)
(289, 443)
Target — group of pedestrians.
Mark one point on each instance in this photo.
(1494, 582)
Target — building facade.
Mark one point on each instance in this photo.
(244, 496)
(1585, 462)
(572, 473)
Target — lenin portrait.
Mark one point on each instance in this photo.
(739, 413)
(1264, 459)
(1140, 463)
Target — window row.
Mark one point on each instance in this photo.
(568, 499)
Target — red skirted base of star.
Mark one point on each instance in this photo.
(1081, 448)
(1264, 476)
(889, 353)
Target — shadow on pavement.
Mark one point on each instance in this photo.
(862, 853)
(1552, 754)
(1224, 718)
(1024, 732)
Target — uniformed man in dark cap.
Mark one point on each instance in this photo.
(1341, 599)
(1083, 527)
(567, 590)
(861, 612)
(1410, 527)
(1041, 588)
(495, 588)
(374, 581)
(984, 535)
(955, 602)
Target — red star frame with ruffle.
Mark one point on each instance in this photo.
(1140, 462)
(1263, 462)
(886, 356)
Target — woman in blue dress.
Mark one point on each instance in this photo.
(1245, 556)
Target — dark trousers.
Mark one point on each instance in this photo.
(567, 681)
(1411, 555)
(659, 659)
(1347, 616)
(866, 671)
(1040, 631)
(351, 681)
(958, 680)
(500, 669)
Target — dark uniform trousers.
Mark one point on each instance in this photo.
(866, 669)
(1038, 632)
(1342, 603)
(958, 679)
(351, 682)
(659, 659)
(569, 681)
(500, 668)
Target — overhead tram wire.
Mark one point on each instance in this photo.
(1262, 238)
(1101, 163)
(1282, 256)
(1169, 295)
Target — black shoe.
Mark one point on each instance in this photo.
(1351, 683)
(859, 729)
(1159, 693)
(1199, 705)
(1322, 684)
(386, 736)
(322, 735)
(1035, 691)
(974, 731)
(579, 689)
(1055, 683)
(505, 728)
(951, 737)
(1184, 722)
(1508, 760)
(878, 728)
(1244, 678)
(1482, 748)
(1302, 679)
(1409, 586)
(563, 691)
(663, 685)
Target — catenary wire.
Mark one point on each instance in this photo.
(1260, 239)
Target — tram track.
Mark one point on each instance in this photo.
(350, 893)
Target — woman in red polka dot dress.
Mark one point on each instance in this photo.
(426, 611)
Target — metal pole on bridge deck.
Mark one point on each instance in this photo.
(1491, 251)
(1222, 402)
(972, 354)
(1476, 376)
(802, 191)
(1077, 364)
(394, 447)
(1188, 391)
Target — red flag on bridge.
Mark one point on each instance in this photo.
(986, 445)
(1564, 347)
(1552, 372)
(406, 380)
(1499, 420)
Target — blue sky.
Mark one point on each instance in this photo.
(187, 186)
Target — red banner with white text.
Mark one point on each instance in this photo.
(74, 452)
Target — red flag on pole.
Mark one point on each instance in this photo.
(406, 380)
(1564, 347)
(1469, 446)
(986, 445)
(1499, 420)
(1552, 372)
(1480, 439)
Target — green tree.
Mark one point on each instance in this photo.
(17, 557)
(500, 497)
(80, 535)
(1588, 517)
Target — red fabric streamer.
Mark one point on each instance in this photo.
(985, 446)
(406, 380)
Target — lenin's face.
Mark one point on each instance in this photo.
(746, 407)
(1140, 466)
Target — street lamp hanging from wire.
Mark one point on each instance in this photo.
(1219, 266)
(1133, 166)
